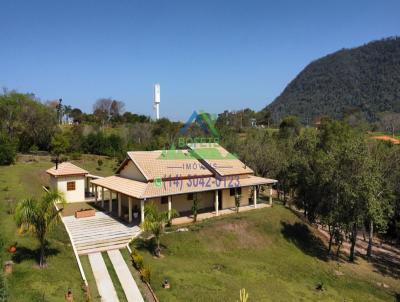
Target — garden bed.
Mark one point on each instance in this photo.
(85, 213)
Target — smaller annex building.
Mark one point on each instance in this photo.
(70, 180)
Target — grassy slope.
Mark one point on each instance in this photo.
(269, 252)
(135, 274)
(28, 283)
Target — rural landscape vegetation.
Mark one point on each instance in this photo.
(331, 140)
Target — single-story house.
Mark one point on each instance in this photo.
(171, 179)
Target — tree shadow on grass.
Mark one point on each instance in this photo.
(386, 265)
(299, 234)
(24, 253)
(147, 244)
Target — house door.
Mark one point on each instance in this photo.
(219, 199)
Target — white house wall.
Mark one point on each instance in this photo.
(72, 196)
(131, 171)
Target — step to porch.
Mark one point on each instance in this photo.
(99, 233)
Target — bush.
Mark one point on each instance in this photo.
(145, 274)
(76, 156)
(64, 158)
(34, 149)
(137, 260)
(3, 288)
(8, 150)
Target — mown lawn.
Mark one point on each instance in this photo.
(269, 252)
(28, 282)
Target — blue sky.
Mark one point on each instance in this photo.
(207, 55)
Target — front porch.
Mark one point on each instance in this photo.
(119, 197)
(206, 215)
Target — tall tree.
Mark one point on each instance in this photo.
(59, 145)
(39, 217)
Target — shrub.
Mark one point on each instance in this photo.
(137, 260)
(76, 156)
(3, 288)
(99, 162)
(7, 150)
(238, 197)
(34, 149)
(145, 274)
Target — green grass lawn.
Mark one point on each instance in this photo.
(269, 252)
(114, 278)
(94, 293)
(28, 282)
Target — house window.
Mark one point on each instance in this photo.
(190, 196)
(71, 186)
(233, 191)
(164, 199)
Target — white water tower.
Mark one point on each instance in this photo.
(157, 100)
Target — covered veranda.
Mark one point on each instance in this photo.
(126, 198)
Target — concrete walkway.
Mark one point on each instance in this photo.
(103, 280)
(131, 290)
(99, 233)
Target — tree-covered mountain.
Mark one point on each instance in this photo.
(363, 80)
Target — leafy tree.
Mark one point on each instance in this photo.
(290, 126)
(7, 150)
(155, 222)
(39, 217)
(391, 121)
(25, 120)
(59, 144)
(76, 115)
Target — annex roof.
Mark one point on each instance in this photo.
(66, 169)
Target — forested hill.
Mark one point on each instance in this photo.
(365, 79)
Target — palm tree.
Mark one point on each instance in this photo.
(195, 207)
(155, 223)
(238, 198)
(39, 217)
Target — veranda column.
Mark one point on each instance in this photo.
(216, 203)
(255, 196)
(102, 197)
(130, 209)
(119, 205)
(110, 202)
(270, 195)
(169, 207)
(95, 194)
(142, 211)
